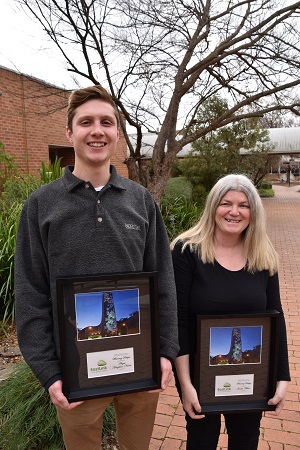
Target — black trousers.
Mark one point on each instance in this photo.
(242, 430)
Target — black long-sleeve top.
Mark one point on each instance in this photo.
(212, 289)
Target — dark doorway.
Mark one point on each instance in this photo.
(65, 153)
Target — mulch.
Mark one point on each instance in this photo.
(9, 349)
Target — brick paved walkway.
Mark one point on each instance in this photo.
(283, 432)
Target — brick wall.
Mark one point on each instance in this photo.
(32, 123)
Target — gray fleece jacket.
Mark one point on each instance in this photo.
(68, 229)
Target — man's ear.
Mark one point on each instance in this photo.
(69, 134)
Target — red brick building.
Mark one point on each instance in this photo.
(32, 123)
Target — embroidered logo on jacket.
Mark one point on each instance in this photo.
(131, 226)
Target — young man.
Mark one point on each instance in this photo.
(90, 221)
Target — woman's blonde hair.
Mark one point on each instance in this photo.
(259, 250)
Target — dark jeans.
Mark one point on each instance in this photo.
(242, 430)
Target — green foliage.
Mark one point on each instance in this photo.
(218, 153)
(9, 218)
(179, 216)
(178, 187)
(52, 172)
(211, 109)
(266, 192)
(8, 167)
(189, 187)
(7, 163)
(265, 184)
(16, 188)
(199, 195)
(257, 163)
(27, 416)
(178, 208)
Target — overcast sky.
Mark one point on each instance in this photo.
(21, 40)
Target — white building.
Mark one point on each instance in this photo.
(286, 141)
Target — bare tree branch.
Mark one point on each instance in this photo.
(161, 60)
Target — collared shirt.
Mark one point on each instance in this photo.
(67, 228)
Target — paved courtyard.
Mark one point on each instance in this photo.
(283, 432)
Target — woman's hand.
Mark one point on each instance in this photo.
(190, 402)
(279, 397)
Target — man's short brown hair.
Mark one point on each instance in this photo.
(80, 96)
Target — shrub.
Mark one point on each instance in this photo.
(179, 216)
(8, 167)
(9, 218)
(16, 189)
(178, 187)
(266, 192)
(199, 195)
(51, 172)
(28, 417)
(265, 184)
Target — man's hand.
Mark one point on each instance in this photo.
(58, 398)
(166, 374)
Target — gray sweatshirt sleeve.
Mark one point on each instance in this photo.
(158, 255)
(32, 297)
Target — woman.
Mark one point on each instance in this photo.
(225, 264)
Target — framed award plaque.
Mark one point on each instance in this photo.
(109, 334)
(236, 361)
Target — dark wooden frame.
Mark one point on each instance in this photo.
(146, 375)
(264, 373)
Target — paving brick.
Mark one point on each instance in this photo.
(294, 388)
(176, 432)
(168, 399)
(293, 406)
(179, 421)
(165, 409)
(171, 444)
(270, 422)
(163, 420)
(171, 390)
(263, 445)
(291, 426)
(159, 432)
(282, 437)
(292, 396)
(290, 415)
(155, 444)
(180, 410)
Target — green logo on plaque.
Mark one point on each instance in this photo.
(101, 362)
(227, 384)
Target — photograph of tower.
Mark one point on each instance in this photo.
(235, 345)
(107, 314)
